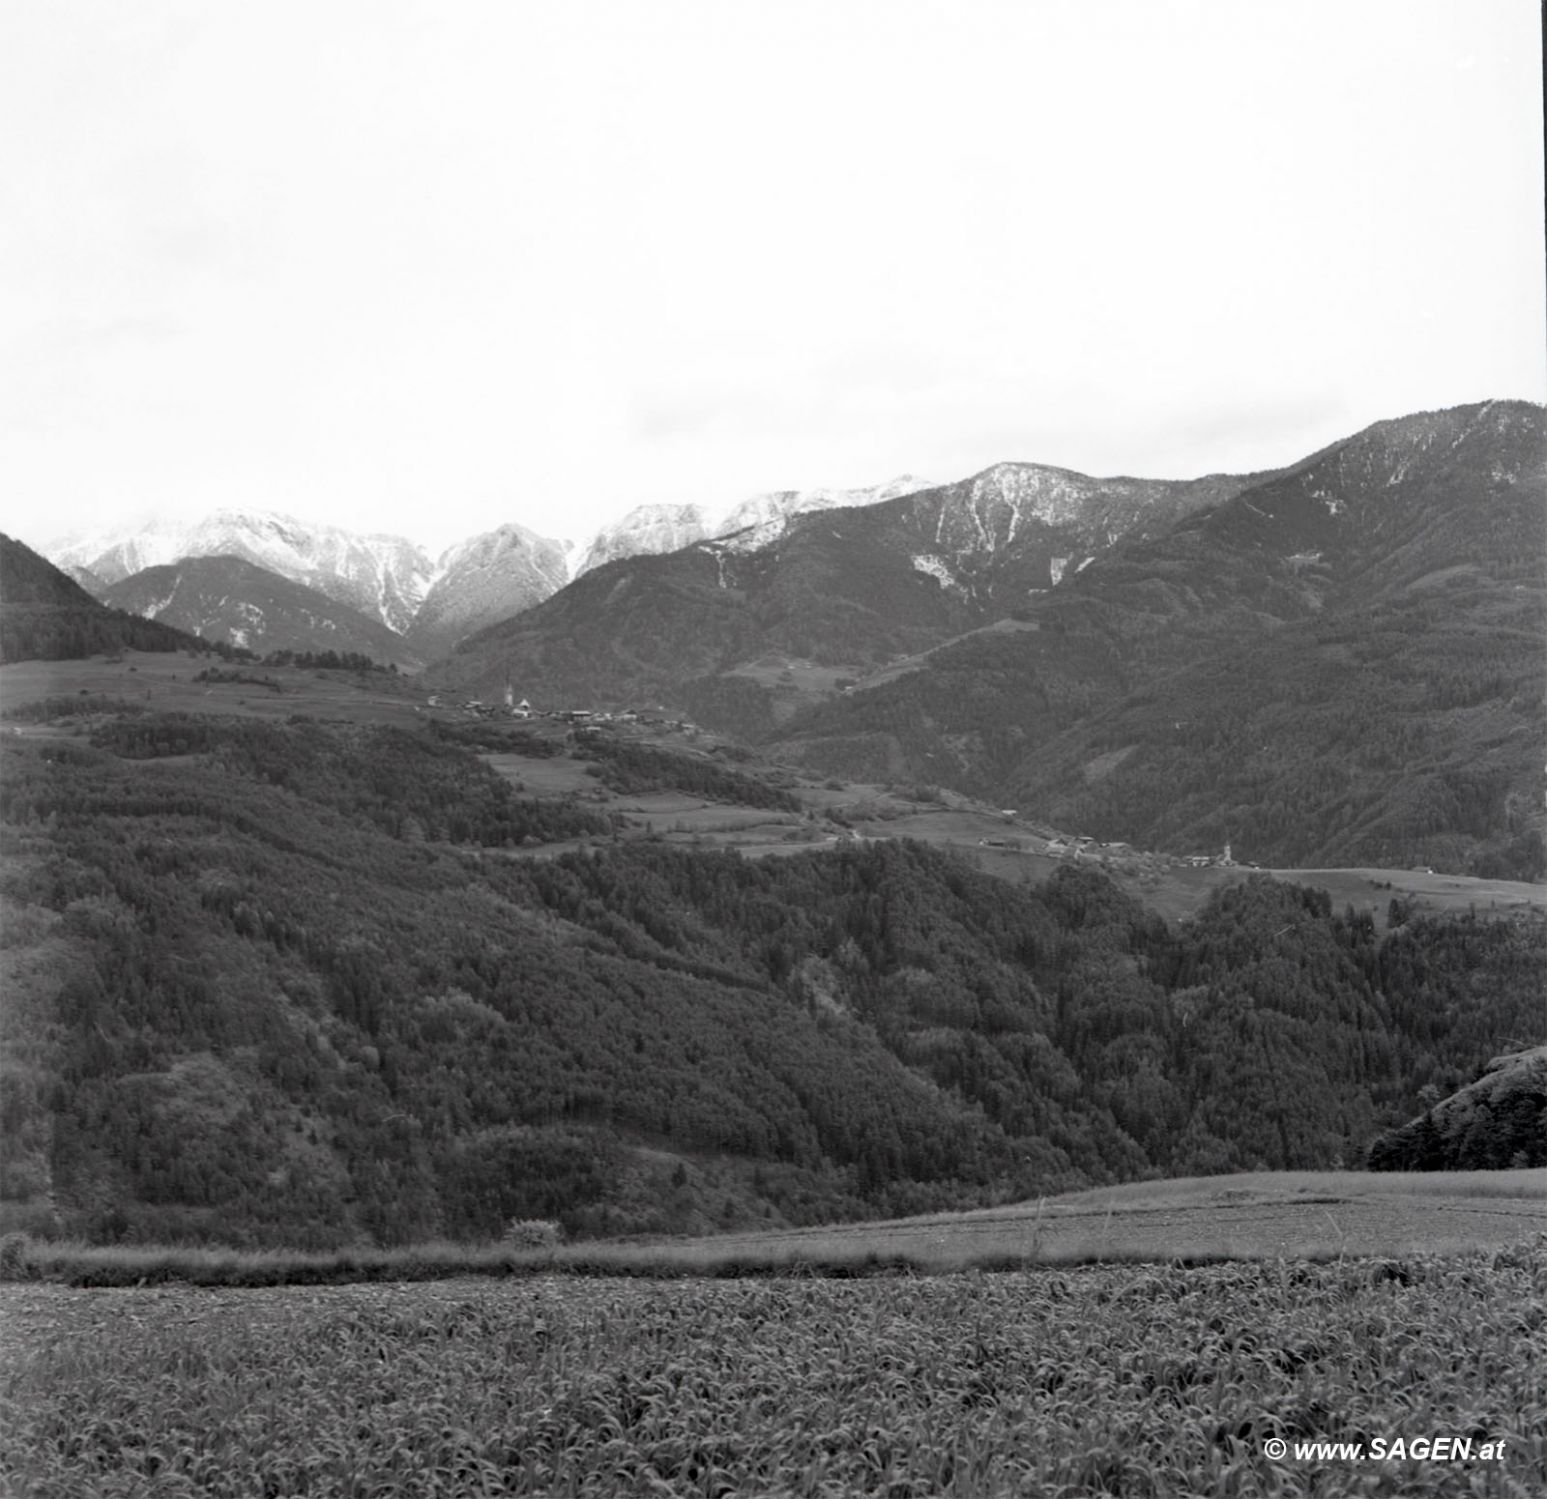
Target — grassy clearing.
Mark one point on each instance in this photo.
(1177, 892)
(1260, 1215)
(1373, 889)
(557, 775)
(164, 682)
(1145, 1382)
(1298, 1215)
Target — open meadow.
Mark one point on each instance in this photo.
(1252, 1216)
(1141, 1381)
(167, 682)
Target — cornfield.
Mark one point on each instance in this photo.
(1111, 1379)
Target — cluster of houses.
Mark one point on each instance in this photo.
(580, 718)
(1086, 847)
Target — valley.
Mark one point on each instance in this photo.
(885, 983)
(1074, 813)
(1332, 664)
(832, 812)
(773, 751)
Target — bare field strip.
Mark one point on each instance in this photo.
(1143, 1381)
(1262, 1215)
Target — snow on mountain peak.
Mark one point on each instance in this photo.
(646, 530)
(762, 519)
(383, 576)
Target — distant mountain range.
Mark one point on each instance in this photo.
(385, 577)
(853, 586)
(432, 602)
(1340, 660)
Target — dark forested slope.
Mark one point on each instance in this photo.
(1500, 1120)
(47, 616)
(286, 983)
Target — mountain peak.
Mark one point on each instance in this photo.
(647, 530)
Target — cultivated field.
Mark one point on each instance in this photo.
(1155, 1381)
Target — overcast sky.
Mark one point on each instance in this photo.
(427, 267)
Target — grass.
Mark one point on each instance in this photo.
(1142, 1381)
(1301, 1215)
(164, 682)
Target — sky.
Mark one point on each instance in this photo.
(424, 268)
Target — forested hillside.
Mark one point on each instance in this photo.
(292, 983)
(46, 616)
(1500, 1120)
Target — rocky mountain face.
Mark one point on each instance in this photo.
(646, 531)
(484, 580)
(764, 518)
(385, 577)
(230, 599)
(652, 530)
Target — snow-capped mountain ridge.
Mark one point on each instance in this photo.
(647, 530)
(434, 601)
(385, 577)
(763, 518)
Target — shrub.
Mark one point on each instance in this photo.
(532, 1233)
(15, 1257)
